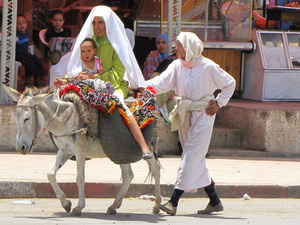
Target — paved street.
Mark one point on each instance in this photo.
(272, 183)
(136, 211)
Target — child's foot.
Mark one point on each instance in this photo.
(147, 155)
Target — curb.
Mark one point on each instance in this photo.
(10, 189)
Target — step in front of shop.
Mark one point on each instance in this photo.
(223, 137)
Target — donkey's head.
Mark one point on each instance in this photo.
(26, 116)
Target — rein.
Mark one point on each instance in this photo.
(82, 131)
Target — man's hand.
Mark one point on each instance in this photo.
(213, 108)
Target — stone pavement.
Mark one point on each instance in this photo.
(25, 176)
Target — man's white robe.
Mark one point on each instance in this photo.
(194, 84)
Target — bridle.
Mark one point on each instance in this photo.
(36, 136)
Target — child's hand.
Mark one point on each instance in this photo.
(60, 82)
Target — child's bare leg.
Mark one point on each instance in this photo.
(138, 136)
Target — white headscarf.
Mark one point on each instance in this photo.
(115, 32)
(193, 47)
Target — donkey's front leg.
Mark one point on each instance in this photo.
(127, 176)
(80, 180)
(60, 160)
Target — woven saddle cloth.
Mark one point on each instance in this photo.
(105, 118)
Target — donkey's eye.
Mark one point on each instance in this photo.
(26, 119)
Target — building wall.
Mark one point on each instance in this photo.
(229, 60)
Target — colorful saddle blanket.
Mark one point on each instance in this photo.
(92, 96)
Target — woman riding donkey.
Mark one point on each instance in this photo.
(120, 67)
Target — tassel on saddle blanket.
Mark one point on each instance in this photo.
(105, 118)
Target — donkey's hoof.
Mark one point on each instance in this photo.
(111, 211)
(155, 210)
(76, 212)
(67, 205)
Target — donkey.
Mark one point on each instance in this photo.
(37, 110)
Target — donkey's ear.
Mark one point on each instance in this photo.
(14, 94)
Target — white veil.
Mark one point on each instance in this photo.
(193, 47)
(115, 32)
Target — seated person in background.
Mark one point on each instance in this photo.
(156, 57)
(91, 64)
(33, 67)
(57, 30)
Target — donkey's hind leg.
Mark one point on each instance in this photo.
(154, 168)
(127, 176)
(60, 160)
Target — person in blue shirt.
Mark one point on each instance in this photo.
(34, 69)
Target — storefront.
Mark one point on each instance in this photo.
(224, 27)
(231, 33)
(272, 72)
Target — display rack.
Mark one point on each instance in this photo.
(272, 71)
